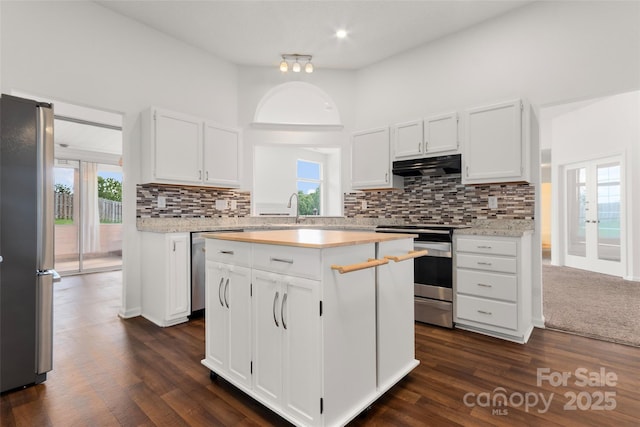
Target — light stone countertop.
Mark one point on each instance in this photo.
(176, 225)
(498, 227)
(309, 237)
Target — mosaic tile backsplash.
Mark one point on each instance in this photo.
(443, 200)
(440, 199)
(189, 202)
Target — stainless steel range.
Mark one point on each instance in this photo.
(433, 274)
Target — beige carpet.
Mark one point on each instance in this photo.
(591, 304)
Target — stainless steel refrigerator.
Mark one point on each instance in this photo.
(26, 242)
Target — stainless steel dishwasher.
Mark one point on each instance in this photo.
(198, 267)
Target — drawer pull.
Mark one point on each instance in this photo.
(483, 263)
(372, 262)
(288, 261)
(484, 285)
(485, 312)
(409, 255)
(227, 252)
(484, 247)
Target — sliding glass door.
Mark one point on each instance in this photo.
(594, 226)
(88, 216)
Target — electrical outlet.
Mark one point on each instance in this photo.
(493, 202)
(221, 205)
(162, 202)
(363, 205)
(233, 205)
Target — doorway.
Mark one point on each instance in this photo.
(88, 197)
(594, 204)
(589, 163)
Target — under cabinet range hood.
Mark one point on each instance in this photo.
(440, 165)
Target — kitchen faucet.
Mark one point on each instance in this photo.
(297, 201)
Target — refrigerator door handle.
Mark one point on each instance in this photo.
(44, 320)
(45, 197)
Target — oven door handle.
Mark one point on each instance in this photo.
(409, 255)
(441, 250)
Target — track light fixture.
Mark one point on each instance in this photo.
(296, 67)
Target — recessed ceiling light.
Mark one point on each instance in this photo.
(341, 34)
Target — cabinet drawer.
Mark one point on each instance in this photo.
(487, 246)
(487, 285)
(292, 261)
(489, 263)
(497, 313)
(229, 252)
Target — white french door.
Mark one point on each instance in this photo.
(594, 203)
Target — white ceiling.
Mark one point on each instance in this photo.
(256, 33)
(72, 136)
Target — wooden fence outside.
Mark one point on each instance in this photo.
(110, 211)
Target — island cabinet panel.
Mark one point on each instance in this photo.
(228, 319)
(395, 319)
(349, 333)
(286, 342)
(319, 349)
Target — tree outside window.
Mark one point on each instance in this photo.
(309, 184)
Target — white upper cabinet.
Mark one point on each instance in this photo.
(222, 151)
(181, 149)
(371, 160)
(177, 147)
(441, 134)
(496, 147)
(408, 139)
(435, 135)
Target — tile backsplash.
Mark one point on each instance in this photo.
(440, 199)
(189, 202)
(443, 200)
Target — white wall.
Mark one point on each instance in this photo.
(82, 53)
(547, 52)
(607, 127)
(255, 82)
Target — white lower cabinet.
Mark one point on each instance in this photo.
(493, 285)
(166, 279)
(228, 320)
(286, 344)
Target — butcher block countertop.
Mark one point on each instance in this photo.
(309, 238)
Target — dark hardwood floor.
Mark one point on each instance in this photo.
(109, 372)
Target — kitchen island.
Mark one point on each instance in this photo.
(314, 324)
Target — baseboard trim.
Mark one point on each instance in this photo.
(128, 314)
(538, 322)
